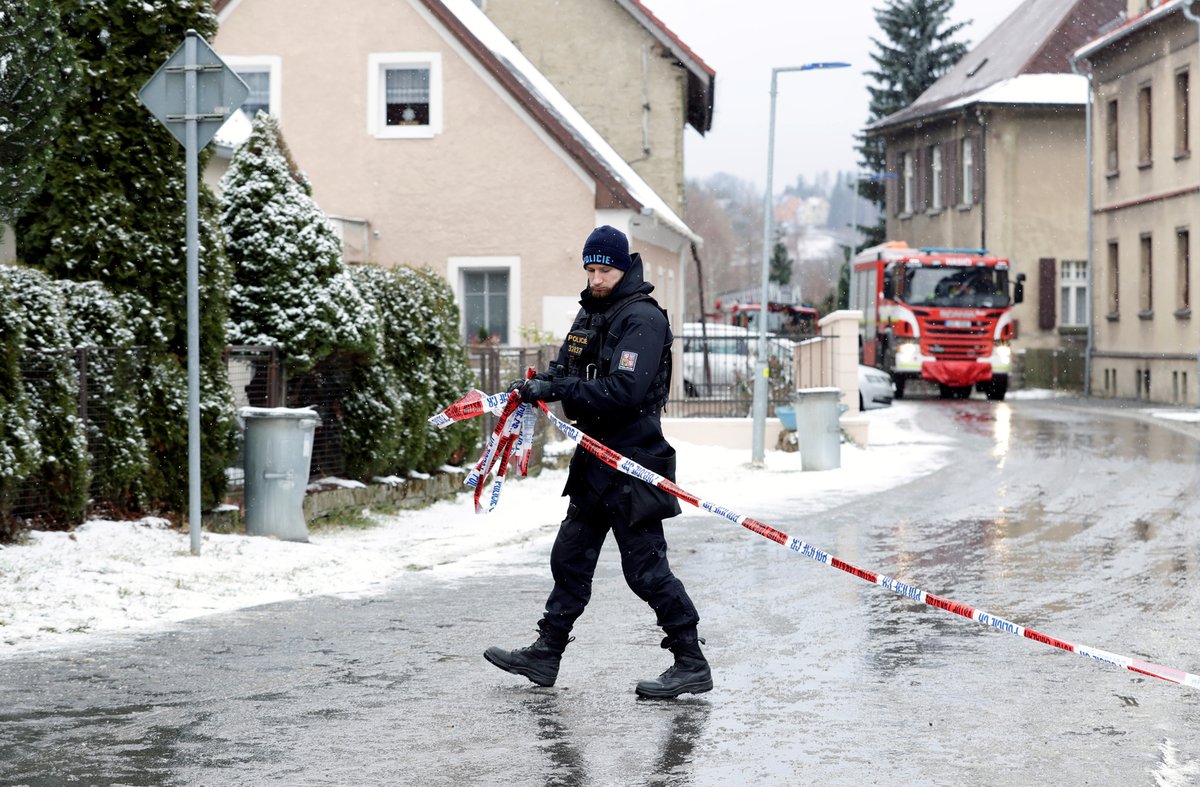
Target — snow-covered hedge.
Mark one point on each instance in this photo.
(97, 322)
(20, 450)
(424, 356)
(62, 473)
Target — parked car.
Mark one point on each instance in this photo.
(730, 359)
(875, 388)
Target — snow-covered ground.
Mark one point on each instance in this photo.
(60, 589)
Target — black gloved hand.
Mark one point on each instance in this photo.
(535, 390)
(515, 385)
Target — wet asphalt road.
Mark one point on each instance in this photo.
(1056, 516)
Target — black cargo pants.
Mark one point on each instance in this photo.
(643, 561)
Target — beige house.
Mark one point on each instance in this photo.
(993, 156)
(1146, 204)
(642, 100)
(434, 142)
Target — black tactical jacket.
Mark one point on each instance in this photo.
(618, 406)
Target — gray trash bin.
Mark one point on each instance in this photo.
(817, 429)
(279, 443)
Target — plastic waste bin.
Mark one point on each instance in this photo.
(278, 443)
(817, 429)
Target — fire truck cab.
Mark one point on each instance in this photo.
(941, 315)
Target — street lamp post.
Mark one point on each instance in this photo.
(757, 450)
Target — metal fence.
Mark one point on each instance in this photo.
(715, 374)
(713, 378)
(98, 373)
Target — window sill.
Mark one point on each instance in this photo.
(1072, 330)
(406, 132)
(1113, 316)
(1112, 174)
(1145, 164)
(935, 211)
(1183, 155)
(1184, 314)
(963, 208)
(904, 216)
(1148, 314)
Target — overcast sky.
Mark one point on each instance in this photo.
(817, 112)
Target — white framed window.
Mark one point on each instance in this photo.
(263, 74)
(1073, 299)
(404, 95)
(935, 177)
(488, 291)
(908, 183)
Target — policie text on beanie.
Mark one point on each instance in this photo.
(607, 246)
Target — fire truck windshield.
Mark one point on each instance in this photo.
(980, 287)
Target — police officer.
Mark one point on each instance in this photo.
(612, 374)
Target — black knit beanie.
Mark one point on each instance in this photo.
(607, 246)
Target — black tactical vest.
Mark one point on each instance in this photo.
(589, 353)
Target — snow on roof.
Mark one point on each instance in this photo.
(541, 90)
(1035, 39)
(1030, 89)
(1154, 14)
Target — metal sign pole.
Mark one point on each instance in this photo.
(192, 109)
(191, 175)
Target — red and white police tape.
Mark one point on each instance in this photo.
(512, 439)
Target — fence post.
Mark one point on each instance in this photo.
(83, 385)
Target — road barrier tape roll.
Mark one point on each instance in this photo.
(476, 403)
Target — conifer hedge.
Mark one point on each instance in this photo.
(61, 473)
(112, 209)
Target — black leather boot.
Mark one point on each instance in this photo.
(688, 675)
(538, 662)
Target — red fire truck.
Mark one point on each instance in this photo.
(942, 315)
(784, 319)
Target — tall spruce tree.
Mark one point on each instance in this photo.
(112, 209)
(920, 47)
(36, 74)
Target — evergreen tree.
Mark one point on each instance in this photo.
(290, 288)
(780, 270)
(112, 209)
(919, 49)
(36, 73)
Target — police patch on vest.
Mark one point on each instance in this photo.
(628, 361)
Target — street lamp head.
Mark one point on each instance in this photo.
(808, 67)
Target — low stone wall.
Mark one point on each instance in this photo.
(333, 500)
